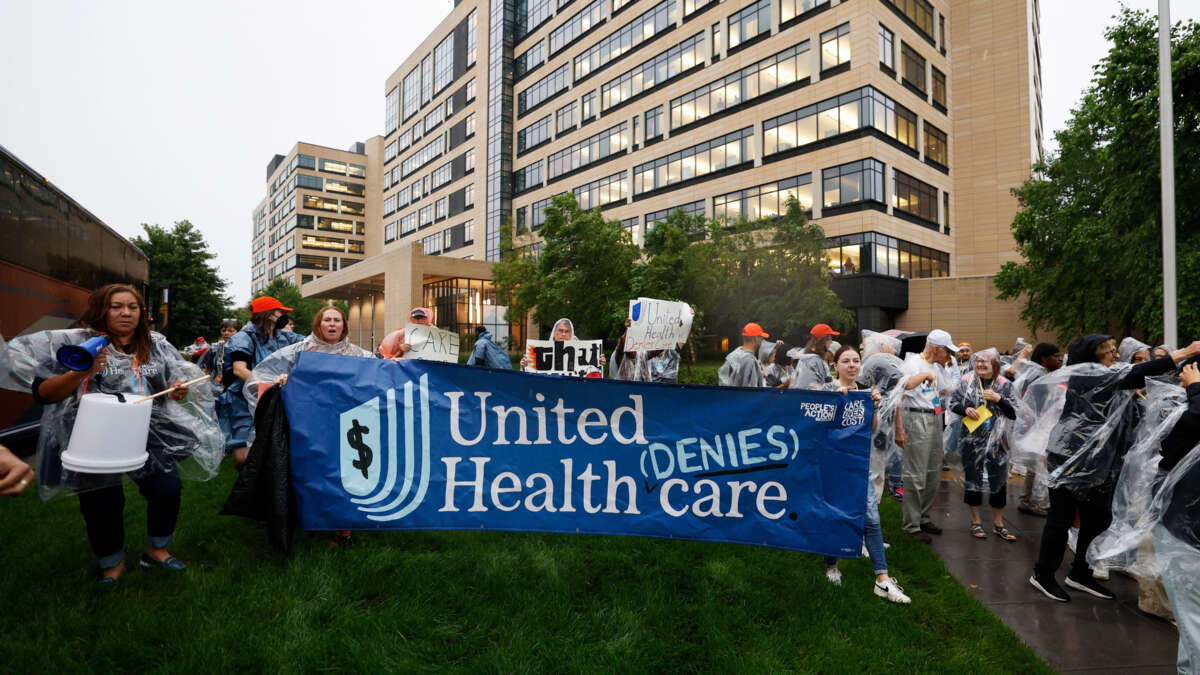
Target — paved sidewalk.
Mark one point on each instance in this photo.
(1085, 635)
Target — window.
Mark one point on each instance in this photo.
(632, 34)
(470, 160)
(790, 9)
(326, 243)
(440, 176)
(529, 59)
(936, 148)
(332, 166)
(336, 225)
(472, 37)
(887, 47)
(521, 220)
(835, 46)
(577, 25)
(920, 12)
(692, 6)
(389, 152)
(875, 253)
(529, 177)
(594, 148)
(353, 208)
(443, 60)
(655, 217)
(320, 203)
(912, 66)
(915, 197)
(654, 71)
(607, 190)
(391, 111)
(403, 197)
(699, 160)
(432, 150)
(529, 15)
(865, 107)
(534, 135)
(426, 79)
(654, 122)
(906, 126)
(441, 208)
(764, 201)
(469, 195)
(716, 39)
(309, 182)
(412, 93)
(345, 187)
(939, 87)
(587, 103)
(779, 70)
(538, 212)
(425, 215)
(543, 89)
(434, 118)
(631, 225)
(432, 245)
(853, 183)
(565, 117)
(389, 206)
(471, 89)
(408, 224)
(749, 22)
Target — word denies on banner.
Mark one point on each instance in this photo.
(657, 324)
(430, 343)
(573, 358)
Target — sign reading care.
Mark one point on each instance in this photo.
(421, 445)
(430, 343)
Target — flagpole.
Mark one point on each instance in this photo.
(1166, 127)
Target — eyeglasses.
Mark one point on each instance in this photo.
(1105, 352)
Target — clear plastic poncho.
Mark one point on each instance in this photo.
(641, 367)
(183, 436)
(984, 453)
(283, 360)
(884, 373)
(1075, 423)
(5, 360)
(810, 370)
(1130, 346)
(741, 369)
(1146, 496)
(874, 343)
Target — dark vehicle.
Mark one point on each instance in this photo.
(53, 252)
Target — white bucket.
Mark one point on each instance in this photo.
(109, 436)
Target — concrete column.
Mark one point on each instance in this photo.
(889, 181)
(818, 194)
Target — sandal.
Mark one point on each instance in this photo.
(977, 531)
(1002, 532)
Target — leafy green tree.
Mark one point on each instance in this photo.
(584, 272)
(303, 309)
(1089, 228)
(181, 261)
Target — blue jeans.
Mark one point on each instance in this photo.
(233, 414)
(873, 535)
(1181, 569)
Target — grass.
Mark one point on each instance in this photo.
(497, 602)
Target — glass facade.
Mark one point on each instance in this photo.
(876, 253)
(461, 304)
(764, 201)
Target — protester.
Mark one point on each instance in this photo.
(15, 474)
(330, 335)
(290, 326)
(563, 331)
(883, 372)
(1133, 351)
(929, 384)
(1082, 448)
(136, 361)
(987, 398)
(212, 361)
(848, 365)
(775, 375)
(741, 367)
(1045, 358)
(487, 353)
(393, 345)
(1161, 351)
(659, 365)
(964, 356)
(258, 339)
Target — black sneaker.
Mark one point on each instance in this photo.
(1049, 587)
(930, 528)
(1089, 585)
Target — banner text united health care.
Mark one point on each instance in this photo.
(425, 445)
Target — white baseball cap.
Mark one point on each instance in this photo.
(940, 338)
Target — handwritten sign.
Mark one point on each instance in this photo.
(573, 358)
(657, 324)
(430, 343)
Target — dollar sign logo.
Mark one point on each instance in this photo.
(354, 436)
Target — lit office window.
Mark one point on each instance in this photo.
(852, 183)
(749, 22)
(835, 46)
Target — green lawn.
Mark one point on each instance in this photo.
(472, 601)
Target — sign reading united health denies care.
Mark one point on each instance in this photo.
(423, 445)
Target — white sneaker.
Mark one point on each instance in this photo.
(834, 575)
(1072, 537)
(886, 545)
(891, 591)
(866, 553)
(1101, 573)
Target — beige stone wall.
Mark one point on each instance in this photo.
(966, 307)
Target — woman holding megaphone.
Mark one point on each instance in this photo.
(68, 371)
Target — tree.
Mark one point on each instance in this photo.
(303, 309)
(679, 264)
(1089, 225)
(584, 272)
(181, 261)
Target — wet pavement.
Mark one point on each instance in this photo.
(1085, 635)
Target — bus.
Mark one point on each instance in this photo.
(53, 252)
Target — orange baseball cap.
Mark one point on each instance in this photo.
(753, 330)
(265, 304)
(821, 330)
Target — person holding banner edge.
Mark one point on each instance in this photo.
(848, 363)
(393, 346)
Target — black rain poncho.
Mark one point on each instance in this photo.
(179, 430)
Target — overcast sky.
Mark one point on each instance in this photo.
(153, 111)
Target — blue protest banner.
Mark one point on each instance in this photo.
(421, 445)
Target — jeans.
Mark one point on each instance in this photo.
(922, 466)
(873, 535)
(103, 513)
(1181, 577)
(1094, 517)
(233, 413)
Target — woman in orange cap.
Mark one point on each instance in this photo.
(258, 339)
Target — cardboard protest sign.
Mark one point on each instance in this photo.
(573, 358)
(430, 343)
(657, 324)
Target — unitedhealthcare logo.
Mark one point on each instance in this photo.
(371, 470)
